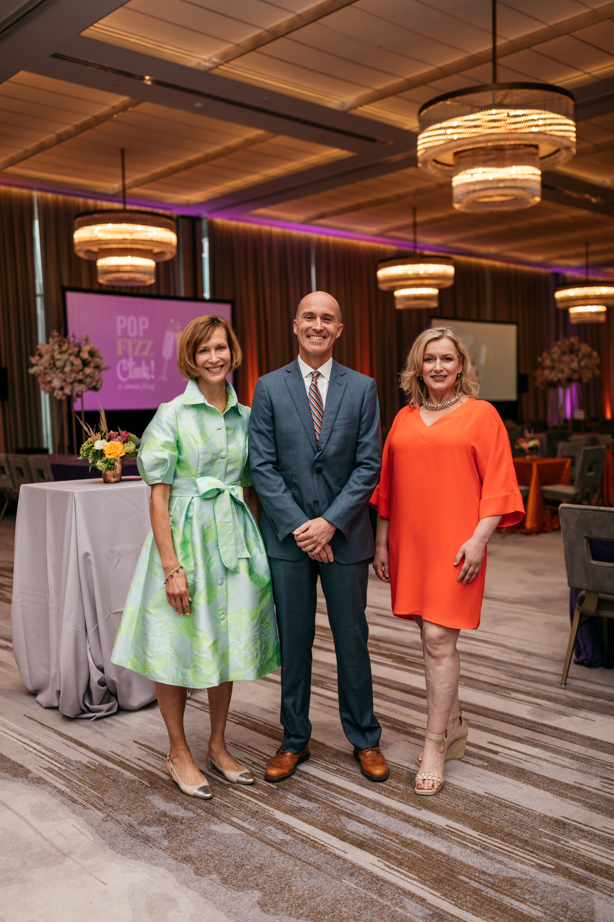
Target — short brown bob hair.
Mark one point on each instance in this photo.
(201, 329)
(411, 376)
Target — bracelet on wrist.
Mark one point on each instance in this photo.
(170, 575)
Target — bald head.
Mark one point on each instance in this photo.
(317, 326)
(319, 299)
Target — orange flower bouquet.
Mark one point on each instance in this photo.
(106, 449)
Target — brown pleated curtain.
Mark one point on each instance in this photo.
(266, 271)
(20, 415)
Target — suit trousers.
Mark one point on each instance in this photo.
(345, 590)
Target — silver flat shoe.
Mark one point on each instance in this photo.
(242, 777)
(202, 790)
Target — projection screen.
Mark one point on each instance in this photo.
(138, 337)
(493, 348)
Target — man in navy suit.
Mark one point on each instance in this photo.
(315, 456)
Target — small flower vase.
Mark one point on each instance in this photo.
(114, 475)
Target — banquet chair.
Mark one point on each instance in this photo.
(571, 450)
(588, 479)
(553, 438)
(7, 484)
(20, 469)
(40, 469)
(583, 527)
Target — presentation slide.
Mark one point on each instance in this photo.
(139, 338)
(493, 348)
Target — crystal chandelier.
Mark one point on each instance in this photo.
(589, 313)
(586, 302)
(416, 279)
(494, 141)
(126, 244)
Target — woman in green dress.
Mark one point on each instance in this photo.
(199, 613)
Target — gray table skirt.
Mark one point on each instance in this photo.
(76, 548)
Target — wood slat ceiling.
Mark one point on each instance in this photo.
(367, 46)
(548, 234)
(154, 138)
(378, 59)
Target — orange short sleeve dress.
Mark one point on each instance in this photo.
(437, 482)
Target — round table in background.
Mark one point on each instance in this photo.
(536, 473)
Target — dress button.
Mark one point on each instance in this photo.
(316, 502)
(220, 582)
(318, 470)
(223, 455)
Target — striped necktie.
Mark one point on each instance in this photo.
(315, 402)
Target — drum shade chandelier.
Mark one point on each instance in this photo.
(493, 141)
(126, 244)
(586, 302)
(416, 279)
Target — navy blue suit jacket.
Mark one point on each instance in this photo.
(298, 479)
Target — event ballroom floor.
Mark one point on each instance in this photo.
(524, 829)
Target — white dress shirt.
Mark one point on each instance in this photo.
(322, 382)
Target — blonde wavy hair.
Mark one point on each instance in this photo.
(411, 376)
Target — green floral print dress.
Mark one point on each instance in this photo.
(230, 633)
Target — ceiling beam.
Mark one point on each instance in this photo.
(106, 33)
(379, 202)
(113, 69)
(53, 140)
(188, 164)
(37, 33)
(577, 193)
(594, 99)
(300, 185)
(22, 10)
(504, 49)
(590, 149)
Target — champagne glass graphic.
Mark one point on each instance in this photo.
(168, 345)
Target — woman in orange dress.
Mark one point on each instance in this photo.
(447, 482)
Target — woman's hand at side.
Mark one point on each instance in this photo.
(472, 551)
(178, 593)
(177, 589)
(381, 562)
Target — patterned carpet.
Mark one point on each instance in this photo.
(524, 830)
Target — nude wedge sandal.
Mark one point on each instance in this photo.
(430, 776)
(456, 749)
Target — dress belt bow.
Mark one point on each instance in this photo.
(230, 535)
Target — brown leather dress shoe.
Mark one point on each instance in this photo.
(373, 764)
(283, 764)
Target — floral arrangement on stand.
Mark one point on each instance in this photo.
(107, 449)
(565, 363)
(66, 367)
(529, 446)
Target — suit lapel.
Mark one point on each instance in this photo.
(334, 396)
(296, 386)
